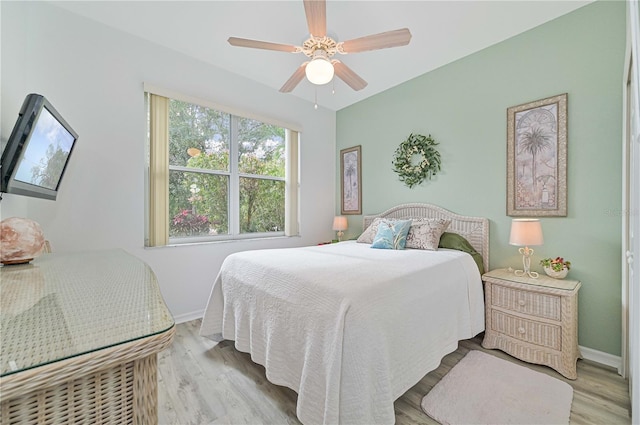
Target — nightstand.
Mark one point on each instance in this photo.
(535, 320)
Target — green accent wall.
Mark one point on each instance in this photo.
(463, 105)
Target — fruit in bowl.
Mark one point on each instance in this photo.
(556, 267)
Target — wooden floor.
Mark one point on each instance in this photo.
(200, 383)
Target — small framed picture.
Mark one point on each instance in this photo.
(537, 158)
(351, 180)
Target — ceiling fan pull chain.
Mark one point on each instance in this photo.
(333, 86)
(316, 98)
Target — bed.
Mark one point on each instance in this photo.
(350, 328)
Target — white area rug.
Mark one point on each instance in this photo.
(483, 389)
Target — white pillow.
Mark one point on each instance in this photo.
(425, 233)
(370, 232)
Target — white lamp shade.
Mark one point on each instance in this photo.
(319, 71)
(340, 223)
(526, 232)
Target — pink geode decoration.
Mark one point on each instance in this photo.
(21, 240)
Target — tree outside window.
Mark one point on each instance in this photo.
(226, 173)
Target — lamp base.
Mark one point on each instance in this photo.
(13, 262)
(532, 275)
(526, 263)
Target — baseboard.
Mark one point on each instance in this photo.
(601, 357)
(187, 317)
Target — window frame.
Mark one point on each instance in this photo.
(158, 170)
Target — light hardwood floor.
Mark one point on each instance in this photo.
(200, 383)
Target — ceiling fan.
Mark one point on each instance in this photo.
(320, 48)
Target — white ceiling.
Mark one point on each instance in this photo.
(442, 32)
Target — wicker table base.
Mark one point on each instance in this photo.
(117, 385)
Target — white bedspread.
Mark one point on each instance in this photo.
(349, 328)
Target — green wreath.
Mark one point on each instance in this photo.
(416, 159)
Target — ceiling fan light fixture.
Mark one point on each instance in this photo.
(320, 70)
(320, 48)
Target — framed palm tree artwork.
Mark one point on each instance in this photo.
(351, 180)
(537, 158)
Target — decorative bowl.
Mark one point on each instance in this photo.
(556, 275)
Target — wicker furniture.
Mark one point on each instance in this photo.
(474, 229)
(79, 336)
(535, 320)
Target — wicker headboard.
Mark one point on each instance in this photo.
(474, 229)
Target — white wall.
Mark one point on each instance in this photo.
(94, 77)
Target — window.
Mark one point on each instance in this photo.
(217, 175)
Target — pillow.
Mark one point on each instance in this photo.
(425, 233)
(370, 232)
(455, 241)
(391, 234)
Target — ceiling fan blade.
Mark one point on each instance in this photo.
(295, 79)
(347, 75)
(255, 44)
(316, 11)
(382, 40)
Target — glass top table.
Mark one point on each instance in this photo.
(65, 305)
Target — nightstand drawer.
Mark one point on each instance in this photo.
(530, 331)
(525, 302)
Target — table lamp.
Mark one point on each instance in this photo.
(526, 232)
(340, 224)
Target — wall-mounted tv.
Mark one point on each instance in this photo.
(37, 151)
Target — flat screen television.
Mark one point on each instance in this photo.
(37, 151)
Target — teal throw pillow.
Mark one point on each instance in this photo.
(391, 234)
